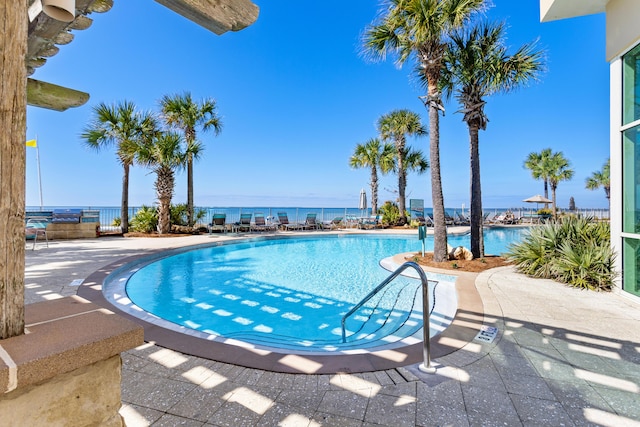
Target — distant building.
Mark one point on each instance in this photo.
(623, 55)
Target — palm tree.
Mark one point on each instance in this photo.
(538, 164)
(396, 126)
(600, 179)
(164, 154)
(183, 113)
(560, 170)
(476, 66)
(413, 160)
(373, 154)
(419, 28)
(123, 126)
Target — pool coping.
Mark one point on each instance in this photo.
(459, 333)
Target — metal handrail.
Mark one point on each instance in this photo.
(426, 345)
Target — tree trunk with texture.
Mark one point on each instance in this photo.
(164, 187)
(402, 183)
(440, 252)
(13, 107)
(477, 238)
(124, 206)
(402, 203)
(190, 191)
(164, 216)
(374, 190)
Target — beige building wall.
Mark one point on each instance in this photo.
(623, 26)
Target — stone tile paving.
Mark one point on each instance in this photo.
(562, 357)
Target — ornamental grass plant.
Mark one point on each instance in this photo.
(571, 250)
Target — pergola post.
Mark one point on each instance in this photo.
(13, 108)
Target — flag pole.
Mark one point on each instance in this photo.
(39, 177)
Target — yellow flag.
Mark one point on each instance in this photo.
(31, 143)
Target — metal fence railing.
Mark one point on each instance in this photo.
(110, 216)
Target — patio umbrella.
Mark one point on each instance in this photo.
(537, 199)
(362, 205)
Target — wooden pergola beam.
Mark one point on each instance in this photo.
(218, 16)
(54, 97)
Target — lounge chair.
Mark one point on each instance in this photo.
(219, 222)
(462, 219)
(448, 219)
(352, 221)
(244, 223)
(489, 218)
(334, 224)
(503, 218)
(428, 221)
(36, 227)
(285, 224)
(310, 223)
(260, 224)
(371, 222)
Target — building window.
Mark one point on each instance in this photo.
(631, 180)
(631, 266)
(631, 171)
(631, 86)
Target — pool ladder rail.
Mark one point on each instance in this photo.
(426, 342)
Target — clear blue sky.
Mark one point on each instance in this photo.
(296, 96)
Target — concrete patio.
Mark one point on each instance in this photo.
(561, 357)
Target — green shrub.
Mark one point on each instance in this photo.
(575, 251)
(179, 214)
(145, 220)
(390, 213)
(117, 222)
(414, 223)
(198, 214)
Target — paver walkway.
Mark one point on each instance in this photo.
(561, 357)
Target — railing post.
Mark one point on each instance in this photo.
(426, 321)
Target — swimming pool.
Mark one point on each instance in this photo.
(287, 292)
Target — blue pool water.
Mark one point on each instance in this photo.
(293, 292)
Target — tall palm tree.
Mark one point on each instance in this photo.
(396, 126)
(164, 154)
(374, 155)
(601, 179)
(539, 165)
(183, 113)
(419, 28)
(121, 125)
(560, 170)
(476, 66)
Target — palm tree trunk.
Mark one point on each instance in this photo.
(402, 184)
(553, 201)
(374, 190)
(546, 192)
(164, 189)
(477, 240)
(190, 191)
(13, 107)
(440, 253)
(402, 203)
(164, 215)
(124, 207)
